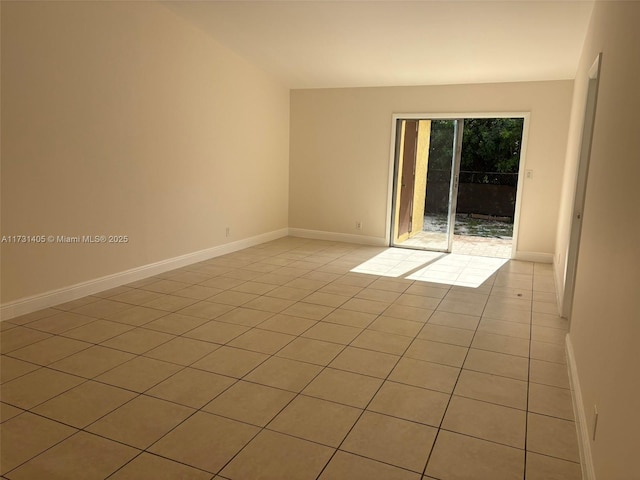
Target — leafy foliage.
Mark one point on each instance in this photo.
(488, 144)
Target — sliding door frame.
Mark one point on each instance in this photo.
(457, 116)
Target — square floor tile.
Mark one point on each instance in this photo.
(232, 297)
(191, 387)
(269, 304)
(552, 436)
(396, 326)
(152, 467)
(175, 323)
(433, 291)
(311, 351)
(287, 324)
(164, 286)
(27, 435)
(274, 456)
(250, 403)
(411, 403)
(84, 404)
(463, 308)
(198, 292)
(450, 335)
(245, 316)
(345, 465)
(548, 373)
(366, 362)
(11, 368)
(501, 344)
(59, 323)
(139, 374)
(316, 420)
(229, 361)
(284, 373)
(365, 306)
(500, 327)
(391, 440)
(19, 337)
(497, 364)
(350, 318)
(206, 310)
(549, 335)
(37, 387)
(331, 332)
(50, 350)
(136, 296)
(138, 340)
(407, 312)
(83, 456)
(263, 341)
(101, 308)
(98, 331)
(419, 301)
(141, 422)
(491, 388)
(205, 441)
(92, 362)
(183, 351)
(288, 293)
(549, 352)
(486, 420)
(430, 375)
(136, 316)
(327, 299)
(254, 287)
(541, 467)
(382, 342)
(7, 412)
(343, 387)
(437, 352)
(217, 332)
(508, 313)
(455, 320)
(341, 289)
(308, 310)
(551, 401)
(458, 457)
(378, 295)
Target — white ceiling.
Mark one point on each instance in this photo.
(318, 44)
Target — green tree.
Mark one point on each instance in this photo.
(491, 145)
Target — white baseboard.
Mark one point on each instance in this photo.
(79, 290)
(537, 257)
(338, 237)
(584, 439)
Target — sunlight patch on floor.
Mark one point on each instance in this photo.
(396, 262)
(462, 270)
(449, 269)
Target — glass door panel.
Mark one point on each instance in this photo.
(427, 169)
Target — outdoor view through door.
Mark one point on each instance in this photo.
(455, 184)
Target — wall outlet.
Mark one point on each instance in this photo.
(529, 174)
(595, 422)
(227, 232)
(358, 224)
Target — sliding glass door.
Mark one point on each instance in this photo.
(428, 156)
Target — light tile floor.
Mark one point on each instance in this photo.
(280, 362)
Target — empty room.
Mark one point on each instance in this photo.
(319, 240)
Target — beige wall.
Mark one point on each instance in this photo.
(605, 324)
(340, 148)
(121, 118)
